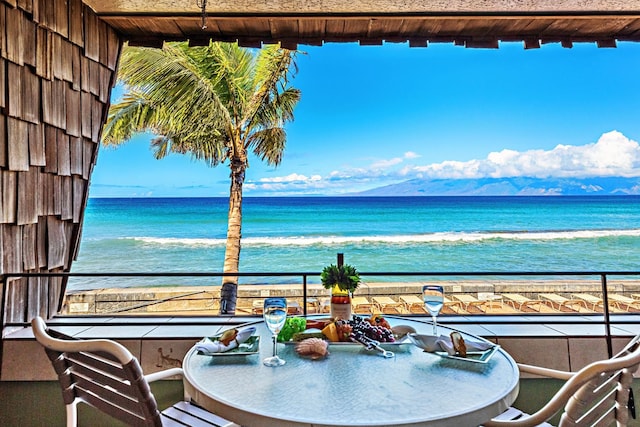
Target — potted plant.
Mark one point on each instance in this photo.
(342, 280)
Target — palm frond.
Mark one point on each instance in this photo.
(279, 110)
(172, 76)
(269, 144)
(272, 69)
(133, 114)
(160, 146)
(210, 102)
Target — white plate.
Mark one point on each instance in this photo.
(472, 356)
(429, 343)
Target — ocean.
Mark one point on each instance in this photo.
(375, 234)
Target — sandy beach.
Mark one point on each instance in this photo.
(199, 300)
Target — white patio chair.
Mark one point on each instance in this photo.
(104, 374)
(596, 395)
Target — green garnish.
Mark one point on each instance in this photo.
(292, 326)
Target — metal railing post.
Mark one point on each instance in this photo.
(304, 294)
(607, 319)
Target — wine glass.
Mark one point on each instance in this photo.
(433, 297)
(275, 315)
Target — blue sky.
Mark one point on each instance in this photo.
(377, 115)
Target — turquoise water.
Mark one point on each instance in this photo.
(376, 234)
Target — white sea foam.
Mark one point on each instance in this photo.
(443, 237)
(178, 241)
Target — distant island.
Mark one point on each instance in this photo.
(519, 186)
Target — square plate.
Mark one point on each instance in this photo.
(472, 356)
(250, 346)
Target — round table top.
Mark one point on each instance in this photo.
(353, 386)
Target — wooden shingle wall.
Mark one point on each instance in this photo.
(58, 63)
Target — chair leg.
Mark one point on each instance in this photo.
(72, 414)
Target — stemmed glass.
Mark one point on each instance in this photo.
(433, 297)
(275, 315)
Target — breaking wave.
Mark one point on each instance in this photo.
(428, 238)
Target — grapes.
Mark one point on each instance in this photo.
(362, 328)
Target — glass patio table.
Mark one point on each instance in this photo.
(352, 386)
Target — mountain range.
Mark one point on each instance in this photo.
(518, 186)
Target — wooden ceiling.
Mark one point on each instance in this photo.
(372, 22)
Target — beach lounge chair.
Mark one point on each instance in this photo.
(386, 305)
(104, 374)
(413, 304)
(493, 308)
(452, 307)
(361, 305)
(492, 299)
(489, 303)
(589, 300)
(494, 304)
(624, 303)
(325, 305)
(469, 302)
(293, 307)
(597, 394)
(257, 306)
(313, 305)
(520, 302)
(564, 303)
(472, 304)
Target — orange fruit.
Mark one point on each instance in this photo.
(331, 332)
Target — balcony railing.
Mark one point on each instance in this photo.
(607, 297)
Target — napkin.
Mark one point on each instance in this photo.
(207, 345)
(472, 345)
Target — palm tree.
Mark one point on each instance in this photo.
(217, 103)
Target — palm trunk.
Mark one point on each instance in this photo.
(229, 291)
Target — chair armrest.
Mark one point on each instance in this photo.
(545, 372)
(163, 374)
(166, 374)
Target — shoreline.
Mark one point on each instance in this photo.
(176, 299)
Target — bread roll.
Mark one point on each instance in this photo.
(458, 344)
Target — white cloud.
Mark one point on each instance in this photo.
(289, 184)
(612, 155)
(384, 164)
(294, 177)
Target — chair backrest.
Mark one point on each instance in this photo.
(596, 395)
(101, 373)
(603, 396)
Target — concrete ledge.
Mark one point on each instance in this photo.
(564, 342)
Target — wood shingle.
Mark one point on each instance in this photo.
(54, 93)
